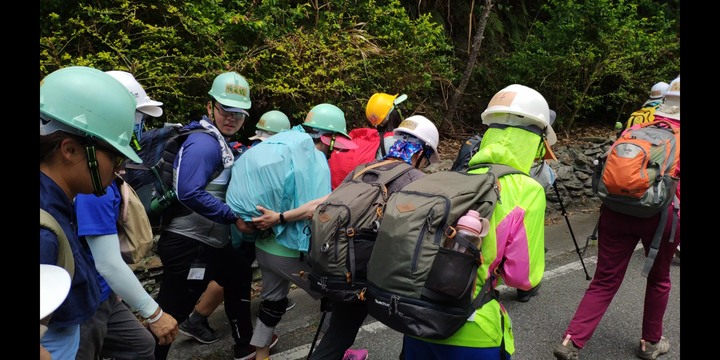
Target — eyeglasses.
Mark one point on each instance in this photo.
(234, 115)
(118, 158)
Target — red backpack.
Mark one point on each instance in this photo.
(342, 162)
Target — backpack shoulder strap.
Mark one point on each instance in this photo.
(487, 205)
(65, 256)
(387, 175)
(183, 132)
(655, 245)
(498, 169)
(124, 189)
(382, 142)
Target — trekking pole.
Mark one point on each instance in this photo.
(317, 333)
(592, 237)
(325, 307)
(577, 248)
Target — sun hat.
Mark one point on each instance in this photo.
(54, 287)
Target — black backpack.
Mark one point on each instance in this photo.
(343, 232)
(153, 179)
(466, 152)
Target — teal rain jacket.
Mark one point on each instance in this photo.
(280, 173)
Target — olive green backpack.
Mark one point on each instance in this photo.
(416, 285)
(343, 231)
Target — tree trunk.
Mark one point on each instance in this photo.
(477, 40)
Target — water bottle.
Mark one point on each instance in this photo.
(160, 203)
(471, 227)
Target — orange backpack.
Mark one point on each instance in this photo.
(639, 174)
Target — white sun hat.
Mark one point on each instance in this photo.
(54, 287)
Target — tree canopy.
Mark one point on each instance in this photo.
(594, 61)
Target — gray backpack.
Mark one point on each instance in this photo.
(415, 285)
(343, 232)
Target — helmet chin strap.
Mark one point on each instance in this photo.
(421, 156)
(332, 143)
(417, 163)
(92, 162)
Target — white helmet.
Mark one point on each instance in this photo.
(658, 90)
(145, 104)
(673, 90)
(670, 108)
(423, 129)
(528, 106)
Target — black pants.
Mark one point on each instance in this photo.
(229, 267)
(345, 322)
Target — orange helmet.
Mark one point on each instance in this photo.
(380, 105)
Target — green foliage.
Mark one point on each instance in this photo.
(294, 54)
(344, 53)
(596, 59)
(170, 47)
(593, 60)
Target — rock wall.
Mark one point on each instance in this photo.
(574, 170)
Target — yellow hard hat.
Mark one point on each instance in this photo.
(380, 105)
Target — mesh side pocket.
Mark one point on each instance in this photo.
(451, 277)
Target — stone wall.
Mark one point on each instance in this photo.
(574, 170)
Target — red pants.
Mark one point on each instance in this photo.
(618, 235)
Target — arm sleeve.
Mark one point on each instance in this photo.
(109, 263)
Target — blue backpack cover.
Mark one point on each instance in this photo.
(280, 173)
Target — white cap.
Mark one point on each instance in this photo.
(54, 287)
(145, 104)
(261, 135)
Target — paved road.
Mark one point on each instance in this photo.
(538, 324)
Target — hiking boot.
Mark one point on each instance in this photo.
(650, 351)
(290, 305)
(566, 350)
(524, 296)
(248, 352)
(202, 332)
(357, 354)
(244, 352)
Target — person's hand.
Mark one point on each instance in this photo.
(44, 354)
(165, 329)
(245, 227)
(267, 219)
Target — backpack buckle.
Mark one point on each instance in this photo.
(450, 232)
(350, 232)
(361, 294)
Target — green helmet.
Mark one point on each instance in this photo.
(91, 102)
(327, 117)
(273, 121)
(231, 90)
